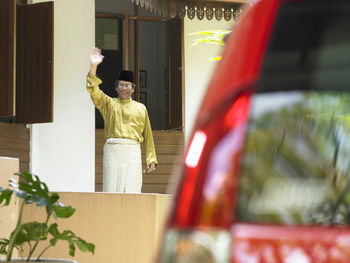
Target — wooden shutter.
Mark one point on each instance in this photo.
(7, 57)
(34, 63)
(175, 72)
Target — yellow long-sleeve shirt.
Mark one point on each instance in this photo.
(123, 118)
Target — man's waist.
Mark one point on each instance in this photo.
(122, 141)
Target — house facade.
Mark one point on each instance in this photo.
(62, 152)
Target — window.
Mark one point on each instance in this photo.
(26, 91)
(296, 167)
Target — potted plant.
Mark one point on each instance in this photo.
(31, 190)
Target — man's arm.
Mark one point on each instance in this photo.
(95, 60)
(99, 98)
(151, 158)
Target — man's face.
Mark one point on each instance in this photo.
(124, 89)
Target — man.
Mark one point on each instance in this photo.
(126, 125)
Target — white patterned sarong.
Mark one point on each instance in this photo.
(122, 166)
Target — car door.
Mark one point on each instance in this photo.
(293, 199)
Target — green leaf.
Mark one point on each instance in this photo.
(55, 233)
(31, 184)
(53, 198)
(63, 211)
(36, 230)
(67, 235)
(3, 245)
(21, 238)
(82, 245)
(72, 240)
(32, 231)
(5, 195)
(71, 249)
(53, 230)
(91, 248)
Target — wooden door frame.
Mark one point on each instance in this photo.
(137, 18)
(8, 69)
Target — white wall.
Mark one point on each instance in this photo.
(63, 152)
(198, 66)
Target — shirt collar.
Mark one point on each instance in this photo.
(124, 100)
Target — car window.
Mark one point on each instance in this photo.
(309, 48)
(296, 162)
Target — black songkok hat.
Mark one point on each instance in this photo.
(126, 75)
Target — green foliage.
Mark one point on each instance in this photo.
(295, 168)
(3, 244)
(5, 195)
(71, 238)
(211, 36)
(31, 190)
(32, 231)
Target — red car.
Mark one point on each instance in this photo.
(265, 177)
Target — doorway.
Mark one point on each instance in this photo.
(149, 48)
(154, 71)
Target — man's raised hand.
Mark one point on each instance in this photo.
(95, 56)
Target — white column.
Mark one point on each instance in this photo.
(63, 152)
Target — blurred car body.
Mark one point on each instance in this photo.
(266, 174)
